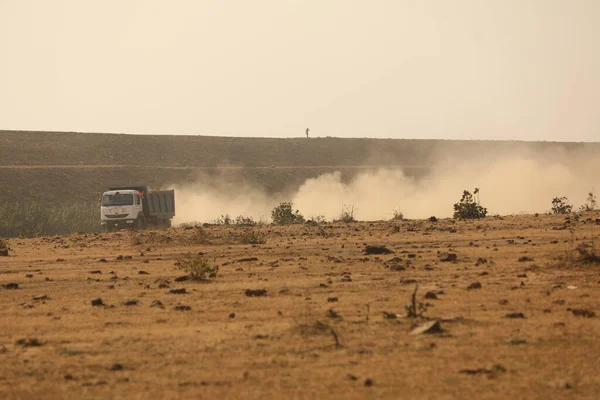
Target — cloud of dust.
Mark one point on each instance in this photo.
(212, 197)
(509, 182)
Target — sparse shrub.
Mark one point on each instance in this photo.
(224, 220)
(584, 253)
(199, 236)
(241, 220)
(587, 253)
(561, 205)
(591, 203)
(197, 268)
(347, 214)
(468, 208)
(415, 309)
(398, 215)
(284, 214)
(252, 237)
(319, 219)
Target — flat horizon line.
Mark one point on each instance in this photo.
(287, 137)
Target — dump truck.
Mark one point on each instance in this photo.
(136, 207)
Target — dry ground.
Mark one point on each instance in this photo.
(282, 345)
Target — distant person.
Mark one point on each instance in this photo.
(307, 130)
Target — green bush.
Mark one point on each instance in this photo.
(197, 268)
(468, 208)
(284, 214)
(561, 205)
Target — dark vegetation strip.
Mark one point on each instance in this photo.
(31, 219)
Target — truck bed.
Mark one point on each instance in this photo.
(161, 203)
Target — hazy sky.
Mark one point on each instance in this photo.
(483, 69)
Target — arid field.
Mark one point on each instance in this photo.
(516, 299)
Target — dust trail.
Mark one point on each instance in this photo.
(208, 200)
(509, 183)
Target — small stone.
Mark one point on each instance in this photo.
(431, 296)
(474, 285)
(157, 303)
(247, 259)
(515, 315)
(448, 257)
(377, 250)
(430, 327)
(579, 312)
(33, 342)
(11, 286)
(97, 302)
(389, 315)
(517, 341)
(256, 292)
(491, 373)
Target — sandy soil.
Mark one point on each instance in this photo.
(331, 325)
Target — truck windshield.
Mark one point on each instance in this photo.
(117, 199)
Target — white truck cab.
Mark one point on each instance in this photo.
(121, 208)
